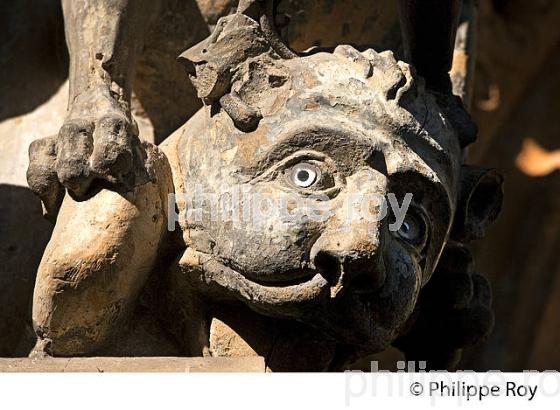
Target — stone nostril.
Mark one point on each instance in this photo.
(329, 265)
(362, 273)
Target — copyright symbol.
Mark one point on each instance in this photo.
(416, 389)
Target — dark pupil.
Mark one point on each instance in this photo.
(303, 175)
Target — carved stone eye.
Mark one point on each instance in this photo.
(413, 230)
(304, 175)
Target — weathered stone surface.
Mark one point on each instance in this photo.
(355, 123)
(134, 364)
(109, 248)
(515, 98)
(328, 23)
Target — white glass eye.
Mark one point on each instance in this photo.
(304, 175)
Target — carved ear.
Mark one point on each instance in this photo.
(480, 202)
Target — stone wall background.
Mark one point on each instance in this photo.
(516, 105)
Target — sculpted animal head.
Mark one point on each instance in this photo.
(321, 188)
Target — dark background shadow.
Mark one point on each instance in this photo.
(33, 56)
(24, 233)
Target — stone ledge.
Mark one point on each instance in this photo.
(134, 364)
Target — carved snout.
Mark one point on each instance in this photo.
(351, 259)
(350, 250)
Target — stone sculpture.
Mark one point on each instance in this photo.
(332, 130)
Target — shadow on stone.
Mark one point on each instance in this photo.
(23, 237)
(33, 56)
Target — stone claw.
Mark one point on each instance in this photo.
(42, 177)
(87, 154)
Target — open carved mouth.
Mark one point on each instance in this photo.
(283, 297)
(288, 278)
(289, 292)
(336, 278)
(307, 297)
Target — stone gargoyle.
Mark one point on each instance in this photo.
(139, 264)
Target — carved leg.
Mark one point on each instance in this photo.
(98, 141)
(98, 259)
